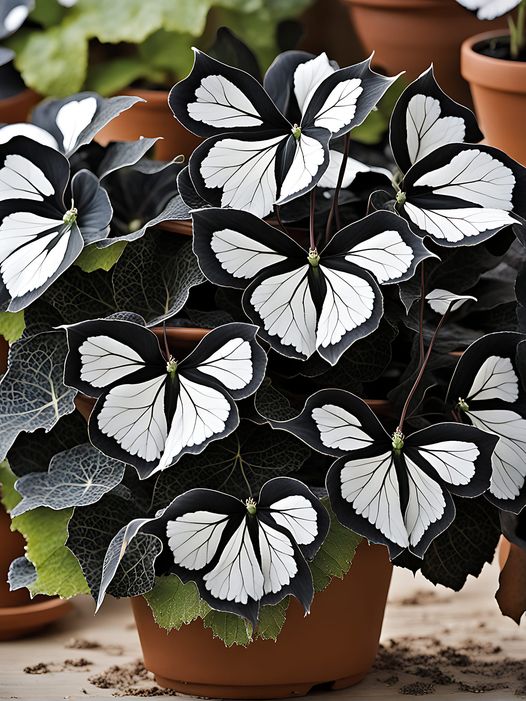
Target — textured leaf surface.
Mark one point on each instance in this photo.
(135, 574)
(463, 549)
(335, 556)
(175, 604)
(45, 531)
(256, 453)
(32, 452)
(22, 574)
(32, 394)
(76, 477)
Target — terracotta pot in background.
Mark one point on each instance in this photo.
(177, 226)
(181, 340)
(327, 27)
(498, 88)
(335, 645)
(151, 118)
(17, 108)
(409, 35)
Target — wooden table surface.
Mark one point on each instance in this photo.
(417, 612)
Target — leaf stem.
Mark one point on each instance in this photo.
(311, 219)
(422, 309)
(421, 372)
(278, 218)
(339, 182)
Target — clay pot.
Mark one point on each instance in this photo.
(17, 108)
(409, 35)
(177, 226)
(335, 645)
(151, 118)
(19, 614)
(182, 340)
(498, 88)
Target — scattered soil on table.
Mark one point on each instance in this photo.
(83, 644)
(420, 598)
(49, 667)
(132, 679)
(471, 667)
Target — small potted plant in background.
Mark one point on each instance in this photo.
(408, 35)
(494, 64)
(122, 48)
(224, 484)
(15, 99)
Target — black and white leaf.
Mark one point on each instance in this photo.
(489, 9)
(461, 194)
(303, 301)
(32, 392)
(425, 118)
(487, 390)
(443, 301)
(41, 234)
(13, 14)
(152, 409)
(76, 477)
(254, 156)
(74, 121)
(244, 554)
(395, 490)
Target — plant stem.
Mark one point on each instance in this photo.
(421, 372)
(517, 31)
(278, 218)
(166, 347)
(422, 309)
(335, 199)
(311, 219)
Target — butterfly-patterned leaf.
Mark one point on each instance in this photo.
(303, 301)
(489, 9)
(462, 194)
(254, 156)
(153, 409)
(425, 118)
(487, 390)
(241, 554)
(395, 490)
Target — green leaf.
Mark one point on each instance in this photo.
(45, 531)
(54, 61)
(116, 21)
(118, 74)
(231, 629)
(335, 556)
(12, 325)
(175, 604)
(272, 619)
(168, 52)
(93, 258)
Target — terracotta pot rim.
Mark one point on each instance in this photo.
(20, 97)
(154, 98)
(177, 226)
(498, 74)
(33, 608)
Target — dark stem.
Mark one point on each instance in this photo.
(166, 347)
(278, 218)
(311, 219)
(336, 197)
(422, 309)
(421, 372)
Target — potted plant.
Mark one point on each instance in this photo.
(223, 483)
(494, 64)
(120, 49)
(425, 31)
(15, 99)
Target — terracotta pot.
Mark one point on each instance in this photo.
(19, 614)
(151, 118)
(177, 226)
(335, 645)
(409, 35)
(17, 108)
(498, 88)
(182, 340)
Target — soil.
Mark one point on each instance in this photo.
(470, 667)
(49, 667)
(498, 48)
(82, 644)
(129, 680)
